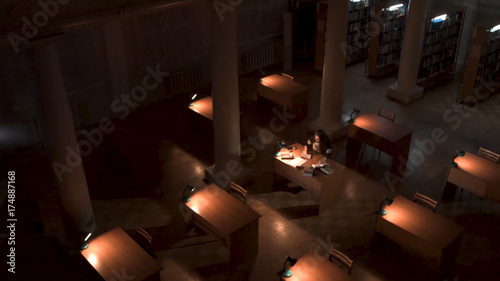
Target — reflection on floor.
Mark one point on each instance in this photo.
(159, 136)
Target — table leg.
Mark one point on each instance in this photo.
(449, 192)
(352, 152)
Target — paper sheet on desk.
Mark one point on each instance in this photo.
(297, 162)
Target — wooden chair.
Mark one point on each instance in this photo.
(144, 239)
(287, 76)
(386, 114)
(341, 257)
(426, 201)
(237, 190)
(488, 154)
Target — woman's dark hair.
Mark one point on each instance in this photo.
(322, 136)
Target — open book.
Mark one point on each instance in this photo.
(296, 162)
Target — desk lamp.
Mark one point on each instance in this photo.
(388, 202)
(292, 262)
(85, 245)
(355, 111)
(192, 99)
(281, 145)
(189, 189)
(262, 73)
(460, 153)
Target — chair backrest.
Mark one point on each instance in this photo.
(238, 190)
(488, 154)
(426, 201)
(387, 114)
(141, 231)
(341, 257)
(287, 76)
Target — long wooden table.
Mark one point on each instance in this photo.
(422, 231)
(201, 113)
(326, 187)
(384, 135)
(312, 267)
(114, 254)
(476, 174)
(286, 92)
(228, 219)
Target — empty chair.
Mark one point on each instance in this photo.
(287, 76)
(488, 154)
(144, 239)
(426, 201)
(238, 191)
(341, 257)
(386, 114)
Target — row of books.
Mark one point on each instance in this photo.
(440, 46)
(358, 36)
(435, 69)
(490, 58)
(358, 4)
(486, 72)
(436, 58)
(394, 14)
(440, 35)
(388, 58)
(358, 25)
(448, 22)
(492, 46)
(390, 47)
(494, 35)
(362, 13)
(392, 25)
(391, 36)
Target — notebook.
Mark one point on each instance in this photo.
(297, 162)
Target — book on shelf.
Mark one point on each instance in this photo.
(308, 171)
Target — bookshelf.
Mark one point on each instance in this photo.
(439, 52)
(356, 47)
(385, 46)
(482, 69)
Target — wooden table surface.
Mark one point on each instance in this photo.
(204, 107)
(479, 167)
(313, 268)
(427, 226)
(114, 251)
(381, 126)
(220, 210)
(284, 85)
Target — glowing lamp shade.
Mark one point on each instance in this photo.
(354, 112)
(292, 262)
(187, 192)
(388, 201)
(495, 28)
(192, 99)
(395, 7)
(460, 153)
(440, 18)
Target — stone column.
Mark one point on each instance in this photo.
(405, 90)
(61, 142)
(225, 96)
(332, 90)
(116, 58)
(469, 20)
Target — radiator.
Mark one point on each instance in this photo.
(185, 80)
(258, 58)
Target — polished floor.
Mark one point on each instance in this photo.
(156, 151)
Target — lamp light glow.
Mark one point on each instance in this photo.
(84, 245)
(281, 145)
(351, 118)
(194, 96)
(440, 18)
(395, 7)
(292, 262)
(188, 189)
(388, 201)
(460, 153)
(497, 27)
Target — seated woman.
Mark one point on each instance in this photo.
(320, 143)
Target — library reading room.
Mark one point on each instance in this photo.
(250, 140)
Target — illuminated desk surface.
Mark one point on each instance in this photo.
(286, 92)
(203, 107)
(316, 268)
(421, 230)
(283, 85)
(382, 134)
(114, 251)
(476, 174)
(326, 187)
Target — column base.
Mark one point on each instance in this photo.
(405, 97)
(334, 132)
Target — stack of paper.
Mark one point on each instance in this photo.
(297, 162)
